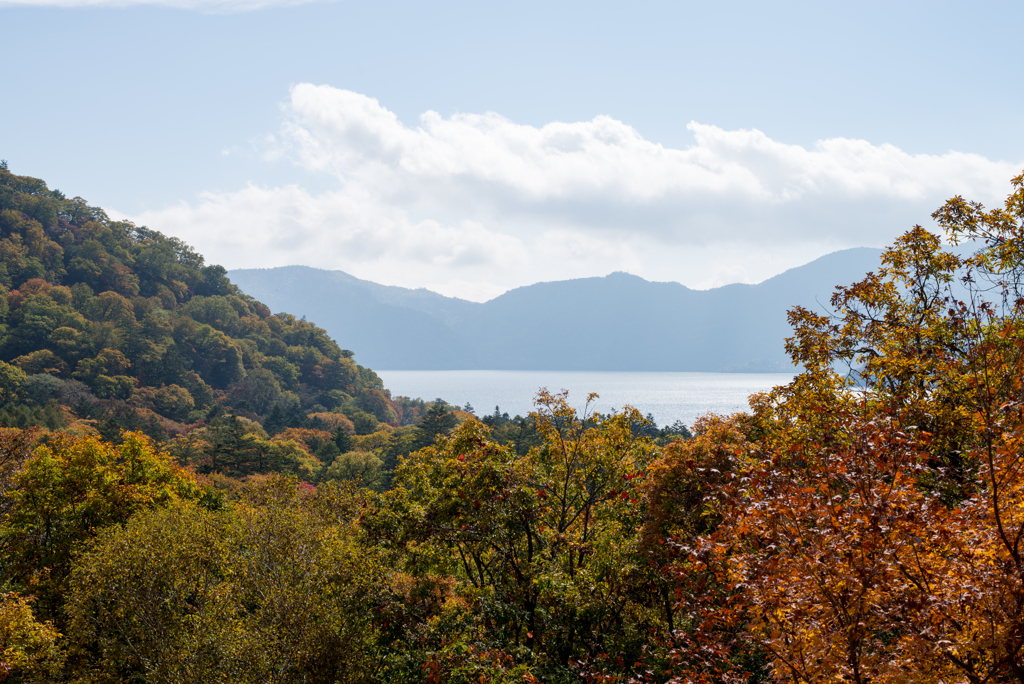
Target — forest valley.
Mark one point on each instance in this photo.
(193, 489)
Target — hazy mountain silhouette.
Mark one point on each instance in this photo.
(618, 322)
(393, 326)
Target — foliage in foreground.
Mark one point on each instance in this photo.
(864, 523)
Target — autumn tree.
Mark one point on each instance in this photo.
(68, 490)
(879, 529)
(273, 588)
(545, 540)
(689, 542)
(821, 546)
(31, 649)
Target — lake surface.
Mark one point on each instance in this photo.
(668, 396)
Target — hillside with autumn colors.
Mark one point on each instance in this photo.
(109, 326)
(864, 523)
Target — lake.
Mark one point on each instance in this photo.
(668, 396)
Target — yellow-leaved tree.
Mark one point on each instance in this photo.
(66, 492)
(542, 548)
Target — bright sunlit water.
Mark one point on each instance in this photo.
(668, 396)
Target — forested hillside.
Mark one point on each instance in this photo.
(108, 324)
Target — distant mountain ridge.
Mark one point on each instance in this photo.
(618, 322)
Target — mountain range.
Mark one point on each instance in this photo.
(619, 322)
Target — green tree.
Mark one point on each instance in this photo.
(342, 440)
(215, 357)
(438, 421)
(174, 402)
(549, 537)
(11, 380)
(363, 422)
(363, 467)
(257, 392)
(271, 588)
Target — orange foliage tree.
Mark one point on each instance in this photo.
(866, 523)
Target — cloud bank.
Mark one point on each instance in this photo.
(474, 204)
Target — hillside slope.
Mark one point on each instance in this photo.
(130, 327)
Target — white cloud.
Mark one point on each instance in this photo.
(475, 203)
(206, 6)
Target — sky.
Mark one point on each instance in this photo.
(473, 147)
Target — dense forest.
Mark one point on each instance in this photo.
(192, 489)
(109, 326)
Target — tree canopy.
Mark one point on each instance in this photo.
(117, 325)
(863, 523)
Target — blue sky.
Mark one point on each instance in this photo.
(294, 133)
